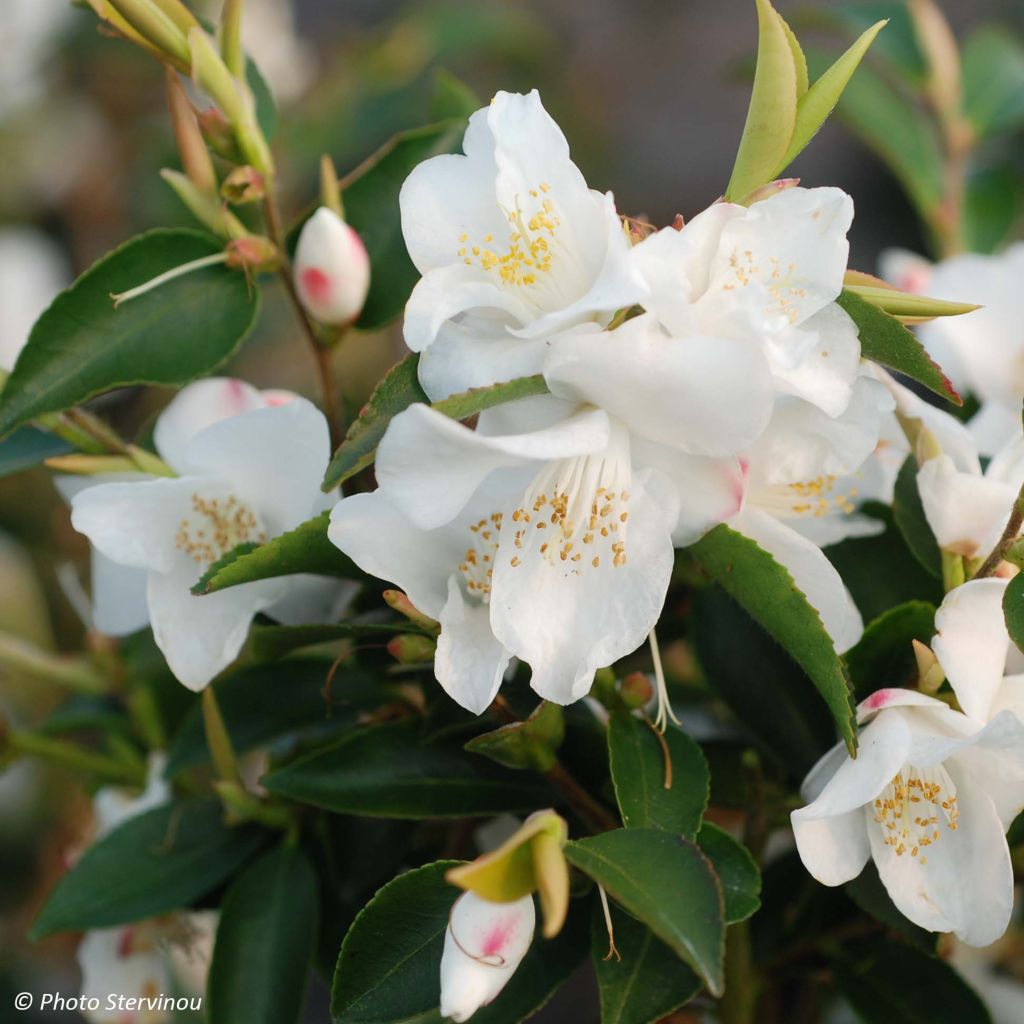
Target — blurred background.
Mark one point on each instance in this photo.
(652, 95)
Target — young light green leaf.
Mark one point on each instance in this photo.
(767, 591)
(398, 390)
(640, 772)
(666, 882)
(903, 304)
(646, 982)
(386, 771)
(82, 345)
(157, 862)
(265, 942)
(885, 340)
(799, 60)
(820, 100)
(305, 549)
(736, 870)
(771, 117)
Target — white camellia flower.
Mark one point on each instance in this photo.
(32, 271)
(250, 467)
(547, 534)
(484, 944)
(513, 246)
(332, 269)
(766, 277)
(982, 352)
(929, 798)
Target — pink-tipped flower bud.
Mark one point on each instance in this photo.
(332, 269)
(484, 944)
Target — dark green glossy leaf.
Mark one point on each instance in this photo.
(884, 656)
(265, 942)
(666, 882)
(867, 891)
(1013, 609)
(736, 870)
(270, 642)
(889, 983)
(646, 982)
(181, 330)
(993, 80)
(304, 549)
(767, 591)
(29, 447)
(908, 513)
(159, 861)
(398, 390)
(385, 771)
(992, 205)
(639, 775)
(886, 341)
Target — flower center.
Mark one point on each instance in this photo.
(575, 513)
(913, 809)
(477, 564)
(780, 283)
(817, 497)
(215, 526)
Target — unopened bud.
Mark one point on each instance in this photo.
(332, 269)
(768, 190)
(165, 33)
(207, 207)
(254, 253)
(189, 139)
(218, 134)
(244, 185)
(636, 690)
(930, 675)
(410, 649)
(484, 944)
(400, 603)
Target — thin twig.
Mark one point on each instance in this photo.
(1009, 535)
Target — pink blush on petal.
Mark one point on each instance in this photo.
(497, 938)
(317, 284)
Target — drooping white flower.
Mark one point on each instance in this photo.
(546, 534)
(250, 467)
(32, 272)
(1001, 991)
(332, 269)
(982, 352)
(484, 944)
(766, 276)
(928, 798)
(513, 246)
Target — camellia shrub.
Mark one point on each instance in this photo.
(659, 611)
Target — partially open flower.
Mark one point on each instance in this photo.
(332, 269)
(484, 944)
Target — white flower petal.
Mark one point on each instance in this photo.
(972, 643)
(834, 849)
(994, 426)
(118, 597)
(995, 759)
(109, 965)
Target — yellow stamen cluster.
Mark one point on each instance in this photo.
(529, 251)
(217, 527)
(908, 810)
(477, 566)
(814, 497)
(746, 270)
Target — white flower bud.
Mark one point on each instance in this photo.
(332, 269)
(484, 944)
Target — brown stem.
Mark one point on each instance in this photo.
(320, 352)
(1009, 535)
(95, 428)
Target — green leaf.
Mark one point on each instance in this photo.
(266, 108)
(766, 690)
(260, 703)
(767, 591)
(867, 891)
(820, 100)
(908, 514)
(886, 341)
(666, 882)
(736, 870)
(304, 549)
(889, 983)
(270, 642)
(1013, 609)
(883, 656)
(992, 205)
(398, 390)
(384, 771)
(452, 98)
(265, 942)
(371, 207)
(896, 129)
(389, 968)
(771, 117)
(529, 744)
(157, 862)
(173, 334)
(993, 80)
(29, 447)
(639, 773)
(647, 983)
